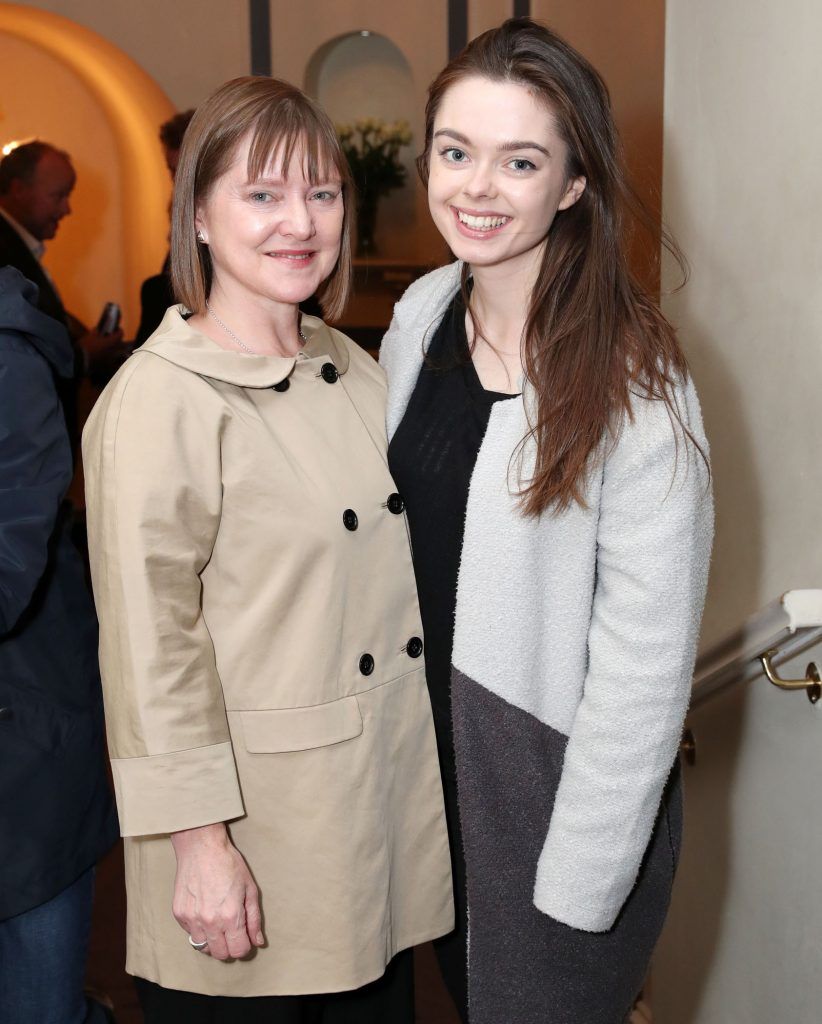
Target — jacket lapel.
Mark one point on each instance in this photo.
(403, 348)
(15, 253)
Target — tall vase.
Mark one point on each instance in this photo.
(366, 223)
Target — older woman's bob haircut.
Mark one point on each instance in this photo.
(282, 122)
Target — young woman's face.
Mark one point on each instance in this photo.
(275, 239)
(497, 174)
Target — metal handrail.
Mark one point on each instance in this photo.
(781, 631)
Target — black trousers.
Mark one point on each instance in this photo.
(388, 1000)
(451, 950)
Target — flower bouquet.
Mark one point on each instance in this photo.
(372, 148)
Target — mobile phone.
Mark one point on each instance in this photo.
(109, 319)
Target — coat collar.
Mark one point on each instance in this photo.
(180, 344)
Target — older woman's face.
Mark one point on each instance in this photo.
(275, 239)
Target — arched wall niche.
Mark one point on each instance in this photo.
(365, 74)
(105, 110)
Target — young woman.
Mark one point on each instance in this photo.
(268, 716)
(548, 443)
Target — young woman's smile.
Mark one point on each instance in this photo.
(479, 223)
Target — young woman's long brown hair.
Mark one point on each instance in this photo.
(592, 335)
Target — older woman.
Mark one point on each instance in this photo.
(269, 723)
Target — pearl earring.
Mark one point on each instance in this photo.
(200, 237)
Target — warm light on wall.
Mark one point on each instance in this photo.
(134, 105)
(9, 146)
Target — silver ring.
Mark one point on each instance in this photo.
(197, 945)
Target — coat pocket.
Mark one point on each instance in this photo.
(272, 732)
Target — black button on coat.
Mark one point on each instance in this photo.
(56, 814)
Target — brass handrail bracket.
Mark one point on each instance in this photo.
(811, 684)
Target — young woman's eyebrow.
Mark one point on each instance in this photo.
(456, 136)
(503, 147)
(509, 147)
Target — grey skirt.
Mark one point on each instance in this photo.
(525, 967)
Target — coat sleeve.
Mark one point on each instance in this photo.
(654, 542)
(153, 492)
(35, 470)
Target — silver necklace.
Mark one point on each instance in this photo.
(239, 341)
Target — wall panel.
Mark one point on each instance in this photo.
(742, 158)
(485, 14)
(625, 41)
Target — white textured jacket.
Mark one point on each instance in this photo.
(587, 621)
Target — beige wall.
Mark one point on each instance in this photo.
(188, 46)
(742, 159)
(741, 190)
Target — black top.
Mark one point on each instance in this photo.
(431, 457)
(156, 295)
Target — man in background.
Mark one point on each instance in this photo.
(171, 138)
(36, 182)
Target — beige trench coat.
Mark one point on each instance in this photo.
(260, 652)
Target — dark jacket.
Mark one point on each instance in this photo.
(15, 253)
(56, 812)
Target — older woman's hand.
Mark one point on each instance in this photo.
(215, 898)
